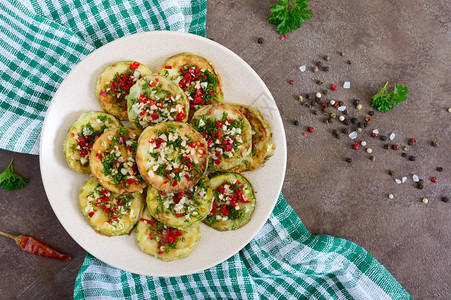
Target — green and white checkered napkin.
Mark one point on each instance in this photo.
(40, 42)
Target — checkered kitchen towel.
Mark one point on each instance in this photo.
(284, 261)
(41, 41)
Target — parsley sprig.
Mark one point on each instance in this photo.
(288, 15)
(10, 180)
(385, 100)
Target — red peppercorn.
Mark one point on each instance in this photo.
(434, 179)
(284, 37)
(291, 81)
(395, 147)
(333, 87)
(374, 135)
(356, 146)
(336, 104)
(310, 129)
(324, 104)
(413, 140)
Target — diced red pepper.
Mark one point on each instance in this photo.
(213, 209)
(187, 177)
(228, 148)
(180, 116)
(174, 183)
(224, 210)
(168, 67)
(83, 152)
(91, 214)
(99, 156)
(134, 65)
(153, 223)
(154, 116)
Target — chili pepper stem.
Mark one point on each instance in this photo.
(18, 238)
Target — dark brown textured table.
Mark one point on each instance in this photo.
(402, 41)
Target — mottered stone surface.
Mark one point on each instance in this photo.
(402, 41)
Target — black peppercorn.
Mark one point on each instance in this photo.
(391, 172)
(345, 130)
(308, 96)
(383, 138)
(434, 143)
(386, 146)
(341, 103)
(348, 62)
(345, 112)
(404, 154)
(326, 69)
(335, 131)
(439, 169)
(338, 136)
(371, 113)
(445, 199)
(356, 102)
(361, 124)
(412, 158)
(354, 120)
(260, 40)
(296, 123)
(348, 160)
(347, 122)
(318, 63)
(326, 57)
(315, 112)
(319, 82)
(420, 185)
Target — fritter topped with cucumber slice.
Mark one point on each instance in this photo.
(163, 242)
(262, 145)
(154, 99)
(172, 156)
(227, 132)
(233, 202)
(183, 208)
(109, 213)
(196, 76)
(83, 134)
(113, 161)
(114, 83)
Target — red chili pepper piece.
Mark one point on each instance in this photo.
(213, 210)
(333, 87)
(224, 210)
(168, 67)
(37, 247)
(434, 179)
(310, 129)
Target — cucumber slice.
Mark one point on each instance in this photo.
(116, 214)
(154, 99)
(227, 132)
(83, 134)
(230, 190)
(154, 238)
(201, 71)
(181, 209)
(113, 97)
(262, 145)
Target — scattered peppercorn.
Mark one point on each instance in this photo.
(342, 103)
(291, 81)
(367, 119)
(326, 120)
(445, 199)
(363, 143)
(359, 130)
(308, 96)
(354, 120)
(425, 200)
(326, 57)
(383, 138)
(315, 69)
(434, 179)
(338, 136)
(341, 118)
(318, 63)
(390, 196)
(333, 115)
(319, 82)
(348, 62)
(325, 92)
(361, 124)
(434, 143)
(301, 99)
(296, 123)
(359, 106)
(332, 102)
(326, 69)
(347, 122)
(411, 142)
(369, 150)
(348, 160)
(386, 146)
(342, 53)
(336, 105)
(439, 169)
(391, 172)
(318, 95)
(374, 135)
(404, 154)
(345, 130)
(395, 147)
(345, 112)
(356, 102)
(333, 87)
(412, 158)
(405, 148)
(260, 40)
(310, 129)
(372, 158)
(420, 185)
(371, 113)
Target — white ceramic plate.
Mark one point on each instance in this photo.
(76, 95)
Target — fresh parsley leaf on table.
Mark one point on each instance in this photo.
(385, 100)
(10, 180)
(288, 16)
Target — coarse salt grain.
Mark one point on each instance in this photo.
(346, 85)
(392, 136)
(376, 131)
(404, 179)
(302, 68)
(353, 135)
(398, 181)
(341, 108)
(415, 178)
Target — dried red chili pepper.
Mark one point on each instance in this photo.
(37, 247)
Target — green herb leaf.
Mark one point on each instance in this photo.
(385, 101)
(288, 16)
(10, 180)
